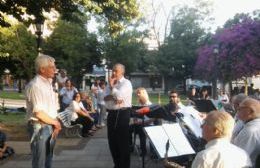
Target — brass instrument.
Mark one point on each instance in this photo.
(168, 164)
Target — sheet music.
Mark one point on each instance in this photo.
(192, 119)
(179, 144)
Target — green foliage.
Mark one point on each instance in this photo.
(73, 48)
(20, 48)
(116, 12)
(178, 55)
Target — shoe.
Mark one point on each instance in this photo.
(98, 126)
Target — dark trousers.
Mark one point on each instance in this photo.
(85, 122)
(137, 129)
(118, 137)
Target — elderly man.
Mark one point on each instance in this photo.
(118, 101)
(219, 152)
(236, 100)
(249, 136)
(42, 106)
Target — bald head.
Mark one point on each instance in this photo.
(218, 124)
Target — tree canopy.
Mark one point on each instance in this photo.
(238, 51)
(116, 12)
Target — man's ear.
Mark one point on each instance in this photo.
(217, 132)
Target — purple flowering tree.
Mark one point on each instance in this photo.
(238, 55)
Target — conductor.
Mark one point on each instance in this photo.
(118, 102)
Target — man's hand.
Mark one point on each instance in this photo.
(112, 81)
(56, 125)
(56, 129)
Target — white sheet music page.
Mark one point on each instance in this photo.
(193, 120)
(159, 139)
(179, 145)
(178, 139)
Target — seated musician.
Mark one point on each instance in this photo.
(137, 123)
(170, 112)
(248, 137)
(219, 152)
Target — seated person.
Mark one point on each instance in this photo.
(79, 116)
(87, 104)
(248, 138)
(219, 152)
(137, 123)
(5, 150)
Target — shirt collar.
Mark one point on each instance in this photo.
(49, 80)
(121, 79)
(217, 141)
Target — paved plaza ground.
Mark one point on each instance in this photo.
(91, 152)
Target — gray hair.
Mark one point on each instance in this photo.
(121, 66)
(42, 61)
(237, 99)
(253, 105)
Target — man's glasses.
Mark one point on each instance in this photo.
(173, 96)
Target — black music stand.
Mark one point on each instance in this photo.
(204, 105)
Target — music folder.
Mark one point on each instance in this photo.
(178, 143)
(205, 105)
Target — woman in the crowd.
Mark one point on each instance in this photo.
(80, 116)
(137, 124)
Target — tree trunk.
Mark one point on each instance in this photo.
(20, 85)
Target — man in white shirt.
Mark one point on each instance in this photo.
(248, 138)
(42, 106)
(118, 101)
(219, 152)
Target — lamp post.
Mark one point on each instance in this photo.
(38, 32)
(215, 52)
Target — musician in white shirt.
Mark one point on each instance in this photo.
(219, 152)
(118, 101)
(248, 138)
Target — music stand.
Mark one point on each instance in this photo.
(204, 105)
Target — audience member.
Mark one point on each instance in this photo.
(61, 78)
(204, 94)
(101, 103)
(223, 97)
(249, 136)
(66, 94)
(5, 150)
(79, 116)
(42, 111)
(193, 95)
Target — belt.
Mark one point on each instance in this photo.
(118, 110)
(36, 122)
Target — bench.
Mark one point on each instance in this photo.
(68, 129)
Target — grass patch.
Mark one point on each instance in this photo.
(12, 118)
(11, 95)
(14, 125)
